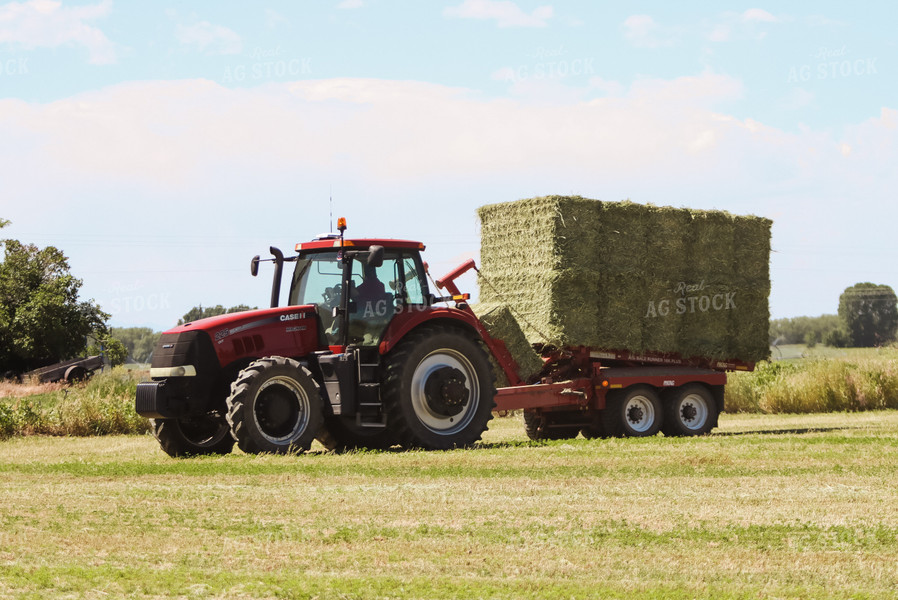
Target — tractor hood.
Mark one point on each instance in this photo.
(239, 337)
(222, 326)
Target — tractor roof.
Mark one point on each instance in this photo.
(326, 242)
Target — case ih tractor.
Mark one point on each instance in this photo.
(365, 355)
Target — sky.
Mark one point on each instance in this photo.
(161, 145)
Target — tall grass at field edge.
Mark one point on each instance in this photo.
(104, 405)
(816, 385)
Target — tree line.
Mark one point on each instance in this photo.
(867, 317)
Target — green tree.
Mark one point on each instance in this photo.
(41, 315)
(870, 314)
(803, 330)
(198, 312)
(111, 348)
(139, 341)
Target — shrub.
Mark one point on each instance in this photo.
(817, 385)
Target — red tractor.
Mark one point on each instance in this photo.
(365, 355)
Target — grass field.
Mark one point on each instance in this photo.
(767, 507)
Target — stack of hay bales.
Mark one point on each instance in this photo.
(627, 276)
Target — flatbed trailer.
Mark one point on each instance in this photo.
(70, 371)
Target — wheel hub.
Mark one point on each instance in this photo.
(635, 414)
(277, 411)
(445, 391)
(689, 412)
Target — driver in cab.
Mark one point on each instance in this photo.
(371, 296)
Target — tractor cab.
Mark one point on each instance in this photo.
(358, 286)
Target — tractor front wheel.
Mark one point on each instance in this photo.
(193, 436)
(439, 389)
(274, 406)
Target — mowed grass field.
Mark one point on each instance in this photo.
(769, 506)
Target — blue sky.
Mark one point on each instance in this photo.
(162, 145)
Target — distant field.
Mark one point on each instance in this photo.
(767, 507)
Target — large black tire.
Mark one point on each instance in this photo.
(538, 430)
(341, 434)
(274, 406)
(632, 412)
(690, 410)
(439, 389)
(195, 436)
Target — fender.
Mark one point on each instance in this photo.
(413, 316)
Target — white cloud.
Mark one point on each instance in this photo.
(274, 19)
(749, 24)
(505, 12)
(758, 15)
(644, 32)
(209, 38)
(47, 24)
(351, 4)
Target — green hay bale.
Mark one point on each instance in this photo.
(501, 324)
(621, 275)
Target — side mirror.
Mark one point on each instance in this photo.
(375, 256)
(254, 266)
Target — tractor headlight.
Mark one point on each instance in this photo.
(182, 371)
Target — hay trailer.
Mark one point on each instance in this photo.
(602, 392)
(365, 355)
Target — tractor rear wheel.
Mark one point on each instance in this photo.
(439, 389)
(690, 410)
(341, 434)
(193, 436)
(274, 406)
(633, 412)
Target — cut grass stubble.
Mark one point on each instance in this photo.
(738, 514)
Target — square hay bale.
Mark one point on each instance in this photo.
(627, 276)
(501, 324)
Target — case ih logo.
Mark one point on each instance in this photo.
(293, 317)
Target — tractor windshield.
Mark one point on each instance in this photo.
(376, 293)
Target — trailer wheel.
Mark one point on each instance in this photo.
(75, 374)
(595, 429)
(540, 427)
(341, 434)
(633, 412)
(690, 410)
(274, 406)
(194, 436)
(438, 389)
